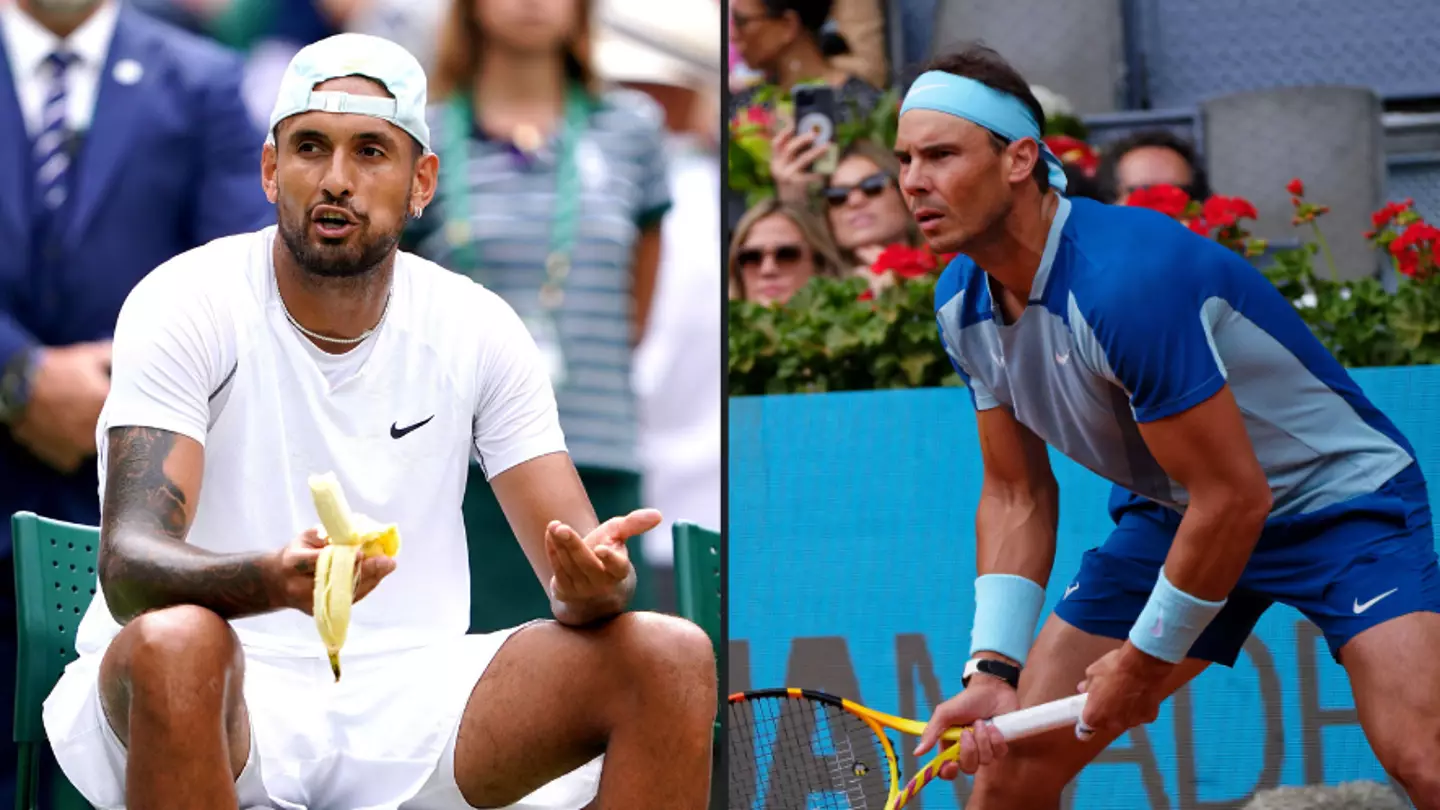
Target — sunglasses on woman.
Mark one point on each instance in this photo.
(872, 187)
(752, 258)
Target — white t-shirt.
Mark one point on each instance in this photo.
(203, 348)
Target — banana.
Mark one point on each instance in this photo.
(347, 534)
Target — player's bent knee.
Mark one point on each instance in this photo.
(667, 651)
(184, 638)
(1416, 766)
(662, 638)
(164, 663)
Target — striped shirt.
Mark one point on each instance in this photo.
(624, 190)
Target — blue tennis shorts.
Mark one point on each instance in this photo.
(1347, 568)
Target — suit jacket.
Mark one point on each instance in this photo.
(171, 162)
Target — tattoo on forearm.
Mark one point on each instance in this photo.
(145, 562)
(137, 490)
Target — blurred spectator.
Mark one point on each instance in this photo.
(1151, 158)
(83, 218)
(269, 32)
(1079, 184)
(861, 23)
(917, 26)
(551, 193)
(792, 42)
(1348, 796)
(176, 12)
(273, 31)
(741, 75)
(776, 250)
(865, 210)
(415, 24)
(679, 370)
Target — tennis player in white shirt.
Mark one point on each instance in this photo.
(246, 365)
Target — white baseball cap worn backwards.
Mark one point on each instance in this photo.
(343, 55)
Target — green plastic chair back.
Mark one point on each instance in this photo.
(697, 577)
(54, 582)
(697, 588)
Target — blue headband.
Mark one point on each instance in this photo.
(1001, 113)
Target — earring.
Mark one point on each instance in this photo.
(417, 212)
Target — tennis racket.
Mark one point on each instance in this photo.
(799, 749)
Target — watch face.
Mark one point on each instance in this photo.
(12, 390)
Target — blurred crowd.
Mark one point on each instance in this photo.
(797, 208)
(131, 131)
(836, 218)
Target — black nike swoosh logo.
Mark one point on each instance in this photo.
(397, 432)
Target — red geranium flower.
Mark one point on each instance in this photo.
(1387, 214)
(1168, 200)
(1223, 212)
(1296, 187)
(904, 262)
(1418, 244)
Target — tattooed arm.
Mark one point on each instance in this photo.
(152, 485)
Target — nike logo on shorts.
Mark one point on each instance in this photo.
(1071, 589)
(1361, 607)
(397, 432)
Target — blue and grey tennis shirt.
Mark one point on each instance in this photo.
(1133, 318)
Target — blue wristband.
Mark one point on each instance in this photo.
(1006, 609)
(1171, 621)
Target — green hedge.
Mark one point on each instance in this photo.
(827, 338)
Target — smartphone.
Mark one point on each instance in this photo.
(816, 111)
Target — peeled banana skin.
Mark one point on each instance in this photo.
(347, 535)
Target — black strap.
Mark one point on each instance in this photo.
(1008, 673)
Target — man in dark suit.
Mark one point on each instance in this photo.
(123, 142)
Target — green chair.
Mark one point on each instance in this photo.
(697, 587)
(54, 583)
(697, 577)
(698, 597)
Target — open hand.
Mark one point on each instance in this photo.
(594, 567)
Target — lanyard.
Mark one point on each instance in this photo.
(454, 171)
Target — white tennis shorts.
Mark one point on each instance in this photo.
(383, 737)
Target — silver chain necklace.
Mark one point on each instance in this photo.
(342, 341)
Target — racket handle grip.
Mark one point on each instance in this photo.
(1024, 723)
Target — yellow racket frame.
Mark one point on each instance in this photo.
(877, 721)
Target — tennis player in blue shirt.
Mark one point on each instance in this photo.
(1165, 363)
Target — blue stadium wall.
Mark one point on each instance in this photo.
(850, 569)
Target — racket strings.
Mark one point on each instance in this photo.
(798, 754)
